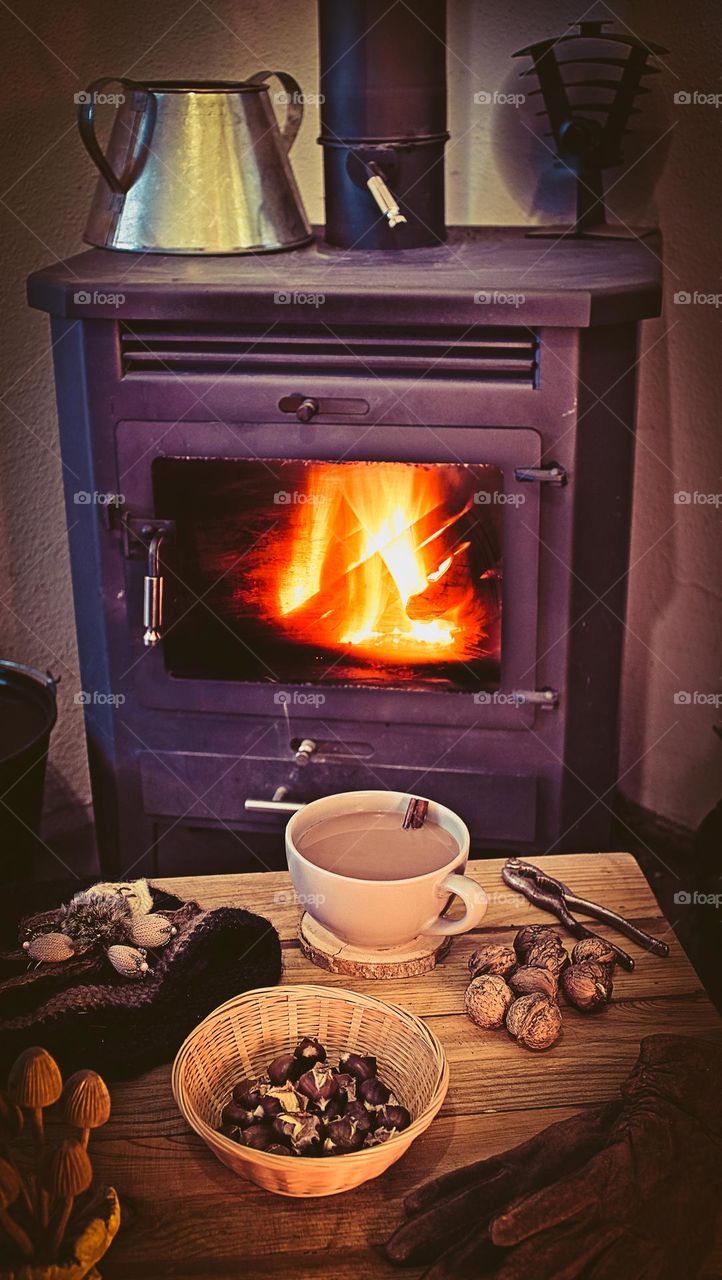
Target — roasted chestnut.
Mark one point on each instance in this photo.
(362, 1067)
(248, 1094)
(319, 1084)
(284, 1068)
(309, 1051)
(347, 1084)
(378, 1136)
(238, 1116)
(393, 1116)
(302, 1132)
(283, 1098)
(336, 1107)
(277, 1149)
(232, 1131)
(344, 1135)
(357, 1111)
(374, 1092)
(258, 1136)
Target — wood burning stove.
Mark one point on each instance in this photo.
(381, 521)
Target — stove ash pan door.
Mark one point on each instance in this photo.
(391, 572)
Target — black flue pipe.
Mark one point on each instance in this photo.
(383, 122)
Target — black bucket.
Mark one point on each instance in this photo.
(28, 712)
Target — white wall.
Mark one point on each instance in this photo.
(51, 51)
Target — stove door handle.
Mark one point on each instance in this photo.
(272, 806)
(153, 593)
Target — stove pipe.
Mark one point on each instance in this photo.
(383, 122)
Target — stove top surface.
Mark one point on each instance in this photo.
(482, 275)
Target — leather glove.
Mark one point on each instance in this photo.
(459, 1206)
(627, 1191)
(644, 1207)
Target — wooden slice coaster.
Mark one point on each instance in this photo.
(329, 952)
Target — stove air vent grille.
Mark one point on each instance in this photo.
(478, 353)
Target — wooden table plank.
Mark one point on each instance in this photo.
(186, 1216)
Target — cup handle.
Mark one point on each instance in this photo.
(473, 898)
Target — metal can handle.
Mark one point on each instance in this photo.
(294, 103)
(120, 183)
(48, 679)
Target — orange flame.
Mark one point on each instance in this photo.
(373, 567)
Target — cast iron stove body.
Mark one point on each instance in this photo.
(387, 502)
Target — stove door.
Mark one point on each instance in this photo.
(333, 573)
(404, 560)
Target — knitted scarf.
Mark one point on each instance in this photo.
(86, 1015)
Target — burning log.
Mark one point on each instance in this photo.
(329, 607)
(435, 536)
(445, 592)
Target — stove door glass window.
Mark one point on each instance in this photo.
(374, 573)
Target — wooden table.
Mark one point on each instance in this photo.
(185, 1215)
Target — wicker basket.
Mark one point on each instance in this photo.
(242, 1036)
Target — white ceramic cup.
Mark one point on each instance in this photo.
(382, 913)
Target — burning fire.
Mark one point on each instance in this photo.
(379, 563)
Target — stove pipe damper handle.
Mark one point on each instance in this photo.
(383, 122)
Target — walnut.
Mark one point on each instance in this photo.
(593, 948)
(528, 979)
(487, 1000)
(534, 1021)
(548, 953)
(587, 986)
(527, 937)
(492, 959)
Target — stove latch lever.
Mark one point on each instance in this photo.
(549, 473)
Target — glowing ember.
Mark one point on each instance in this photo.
(380, 561)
